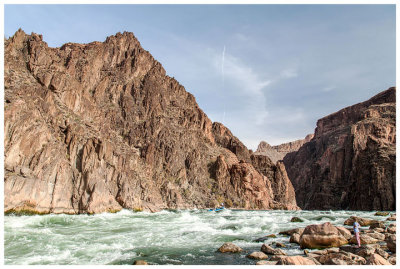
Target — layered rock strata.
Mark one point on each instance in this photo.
(99, 127)
(351, 161)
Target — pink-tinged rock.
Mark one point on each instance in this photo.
(229, 247)
(322, 236)
(295, 260)
(376, 259)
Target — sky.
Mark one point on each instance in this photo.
(267, 72)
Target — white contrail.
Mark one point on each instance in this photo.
(223, 80)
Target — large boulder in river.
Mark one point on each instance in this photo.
(292, 231)
(361, 221)
(322, 236)
(229, 247)
(257, 255)
(273, 251)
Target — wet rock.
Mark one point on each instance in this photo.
(272, 251)
(376, 259)
(340, 258)
(294, 260)
(391, 243)
(140, 262)
(380, 213)
(266, 262)
(295, 238)
(280, 245)
(292, 231)
(229, 247)
(296, 219)
(258, 255)
(361, 221)
(322, 236)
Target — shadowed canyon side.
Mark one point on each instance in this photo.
(99, 127)
(351, 161)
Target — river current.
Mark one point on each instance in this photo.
(188, 237)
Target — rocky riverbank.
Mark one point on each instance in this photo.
(326, 244)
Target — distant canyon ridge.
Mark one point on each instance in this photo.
(98, 127)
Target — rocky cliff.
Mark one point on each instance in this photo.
(277, 153)
(99, 127)
(351, 161)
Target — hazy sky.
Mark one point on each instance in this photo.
(268, 72)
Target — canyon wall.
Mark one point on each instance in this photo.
(351, 161)
(99, 127)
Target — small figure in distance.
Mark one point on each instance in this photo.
(356, 229)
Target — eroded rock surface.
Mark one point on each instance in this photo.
(99, 127)
(350, 162)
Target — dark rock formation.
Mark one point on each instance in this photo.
(350, 162)
(99, 127)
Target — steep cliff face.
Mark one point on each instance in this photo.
(277, 153)
(99, 127)
(351, 161)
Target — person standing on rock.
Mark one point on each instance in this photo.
(356, 227)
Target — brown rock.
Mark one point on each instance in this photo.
(295, 238)
(382, 253)
(341, 258)
(322, 236)
(391, 243)
(294, 260)
(351, 161)
(229, 247)
(364, 239)
(140, 262)
(377, 236)
(391, 228)
(272, 251)
(345, 232)
(258, 255)
(98, 127)
(363, 222)
(392, 259)
(376, 259)
(293, 231)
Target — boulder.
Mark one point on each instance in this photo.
(376, 259)
(377, 236)
(294, 260)
(391, 243)
(378, 230)
(364, 239)
(257, 255)
(340, 258)
(378, 224)
(280, 245)
(229, 247)
(366, 251)
(322, 236)
(295, 238)
(140, 262)
(392, 218)
(391, 229)
(296, 219)
(345, 232)
(379, 213)
(361, 221)
(273, 251)
(292, 231)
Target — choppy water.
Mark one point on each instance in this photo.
(166, 237)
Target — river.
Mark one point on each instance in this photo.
(172, 237)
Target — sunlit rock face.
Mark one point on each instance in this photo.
(99, 127)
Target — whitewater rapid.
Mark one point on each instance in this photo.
(166, 237)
